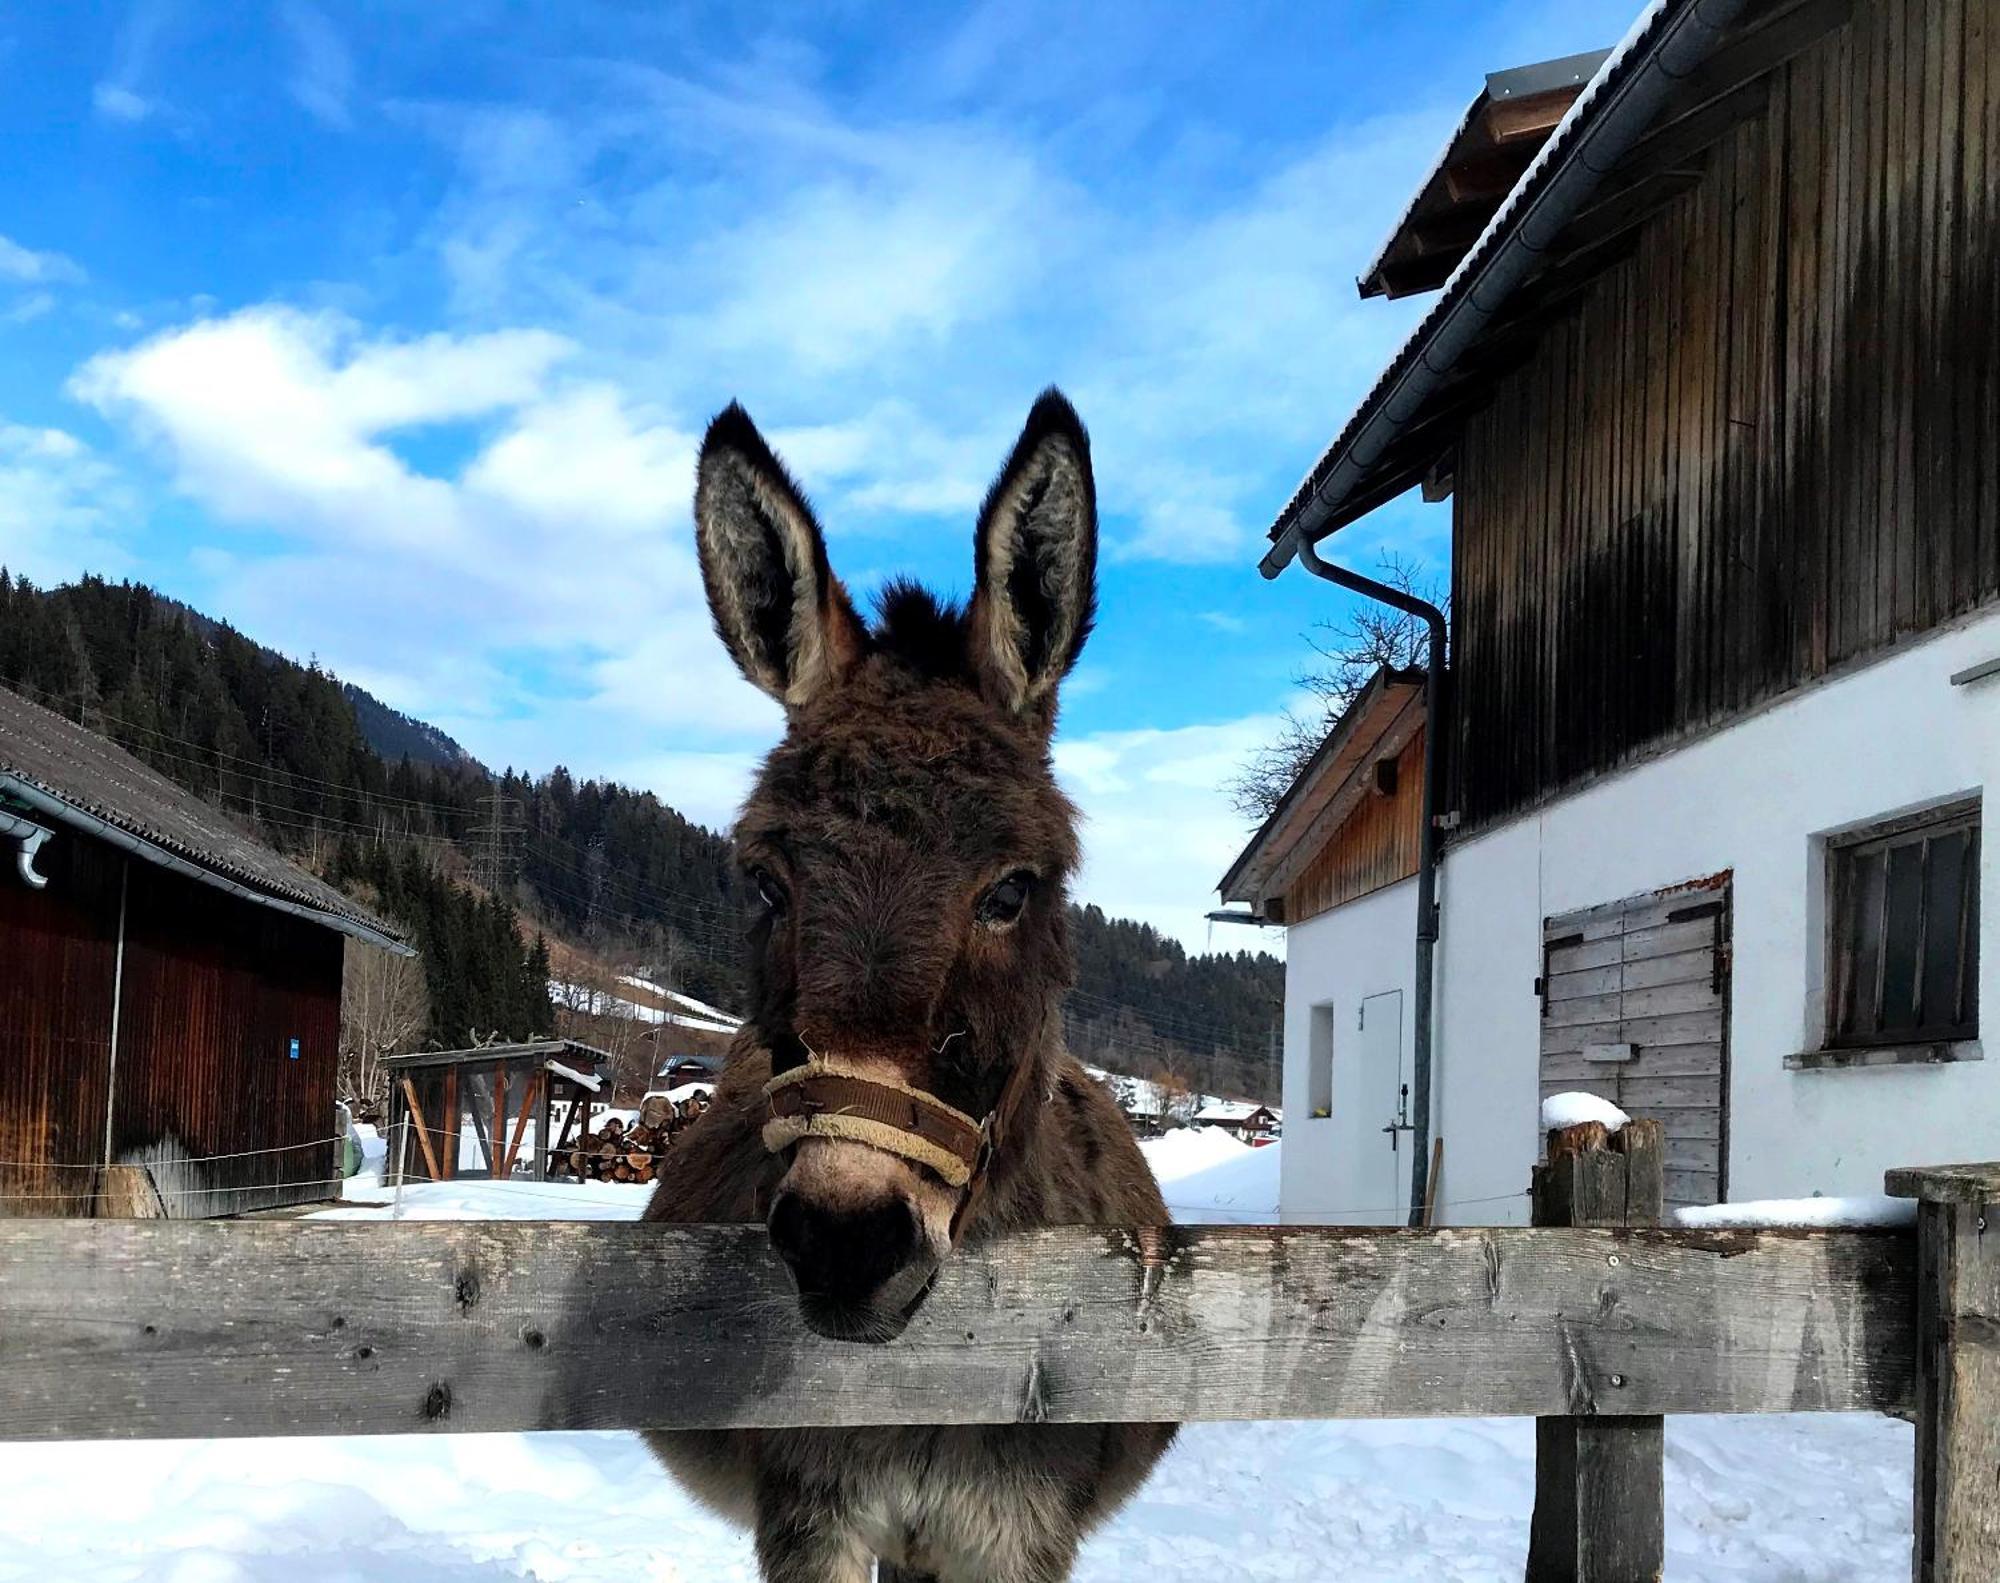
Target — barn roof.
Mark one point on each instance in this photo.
(1500, 133)
(1384, 716)
(58, 772)
(1633, 140)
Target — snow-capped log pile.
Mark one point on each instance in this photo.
(622, 1151)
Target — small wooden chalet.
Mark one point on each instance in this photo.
(169, 992)
(1712, 384)
(490, 1113)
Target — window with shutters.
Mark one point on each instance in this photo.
(1905, 932)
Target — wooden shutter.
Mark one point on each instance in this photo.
(1635, 1007)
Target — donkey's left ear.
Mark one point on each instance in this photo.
(1035, 557)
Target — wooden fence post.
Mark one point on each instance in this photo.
(1958, 1371)
(1600, 1511)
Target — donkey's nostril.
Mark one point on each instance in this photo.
(843, 1256)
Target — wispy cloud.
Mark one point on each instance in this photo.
(914, 280)
(63, 509)
(322, 77)
(24, 266)
(121, 94)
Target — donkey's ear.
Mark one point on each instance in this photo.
(779, 608)
(1036, 563)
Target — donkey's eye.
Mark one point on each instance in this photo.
(1002, 904)
(770, 891)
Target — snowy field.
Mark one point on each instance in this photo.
(1750, 1500)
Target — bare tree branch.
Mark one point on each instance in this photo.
(1348, 652)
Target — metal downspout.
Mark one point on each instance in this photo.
(1427, 849)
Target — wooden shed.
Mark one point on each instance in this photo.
(169, 992)
(488, 1113)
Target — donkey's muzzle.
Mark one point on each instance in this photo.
(842, 1259)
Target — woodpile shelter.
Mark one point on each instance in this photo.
(493, 1112)
(1712, 388)
(169, 992)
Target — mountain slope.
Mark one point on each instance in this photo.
(379, 801)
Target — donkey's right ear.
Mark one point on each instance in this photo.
(779, 608)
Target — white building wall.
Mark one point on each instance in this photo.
(1339, 959)
(1757, 798)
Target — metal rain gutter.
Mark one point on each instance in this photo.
(64, 813)
(1427, 853)
(1600, 143)
(28, 838)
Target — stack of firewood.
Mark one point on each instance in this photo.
(616, 1152)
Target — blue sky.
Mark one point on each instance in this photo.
(386, 331)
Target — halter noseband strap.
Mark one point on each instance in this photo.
(827, 1098)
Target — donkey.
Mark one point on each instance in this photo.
(901, 1087)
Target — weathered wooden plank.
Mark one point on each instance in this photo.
(1958, 1396)
(1600, 1505)
(1946, 1184)
(1694, 1027)
(1671, 1060)
(170, 1328)
(1663, 1000)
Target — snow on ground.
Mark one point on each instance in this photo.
(1749, 1500)
(1210, 1178)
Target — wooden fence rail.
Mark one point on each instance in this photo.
(114, 1329)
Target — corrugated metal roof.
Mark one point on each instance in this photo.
(100, 781)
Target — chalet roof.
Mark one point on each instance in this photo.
(1634, 139)
(58, 772)
(1380, 721)
(1501, 131)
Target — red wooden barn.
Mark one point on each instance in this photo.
(169, 991)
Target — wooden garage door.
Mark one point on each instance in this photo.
(1635, 1007)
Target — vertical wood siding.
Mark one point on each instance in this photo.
(215, 990)
(1376, 844)
(57, 950)
(1763, 445)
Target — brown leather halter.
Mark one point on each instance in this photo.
(824, 1098)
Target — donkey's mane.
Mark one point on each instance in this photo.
(920, 631)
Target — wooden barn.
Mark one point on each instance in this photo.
(169, 992)
(1711, 381)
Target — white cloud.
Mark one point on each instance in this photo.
(890, 292)
(538, 598)
(24, 266)
(323, 71)
(61, 506)
(116, 102)
(1158, 829)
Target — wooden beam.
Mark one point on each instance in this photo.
(1484, 178)
(146, 1329)
(1600, 1490)
(1530, 118)
(537, 1080)
(416, 1114)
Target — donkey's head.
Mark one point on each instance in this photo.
(909, 849)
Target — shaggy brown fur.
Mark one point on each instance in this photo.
(909, 805)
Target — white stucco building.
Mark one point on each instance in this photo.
(1723, 696)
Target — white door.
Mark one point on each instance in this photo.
(1381, 1109)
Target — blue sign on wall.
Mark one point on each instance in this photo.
(295, 1049)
